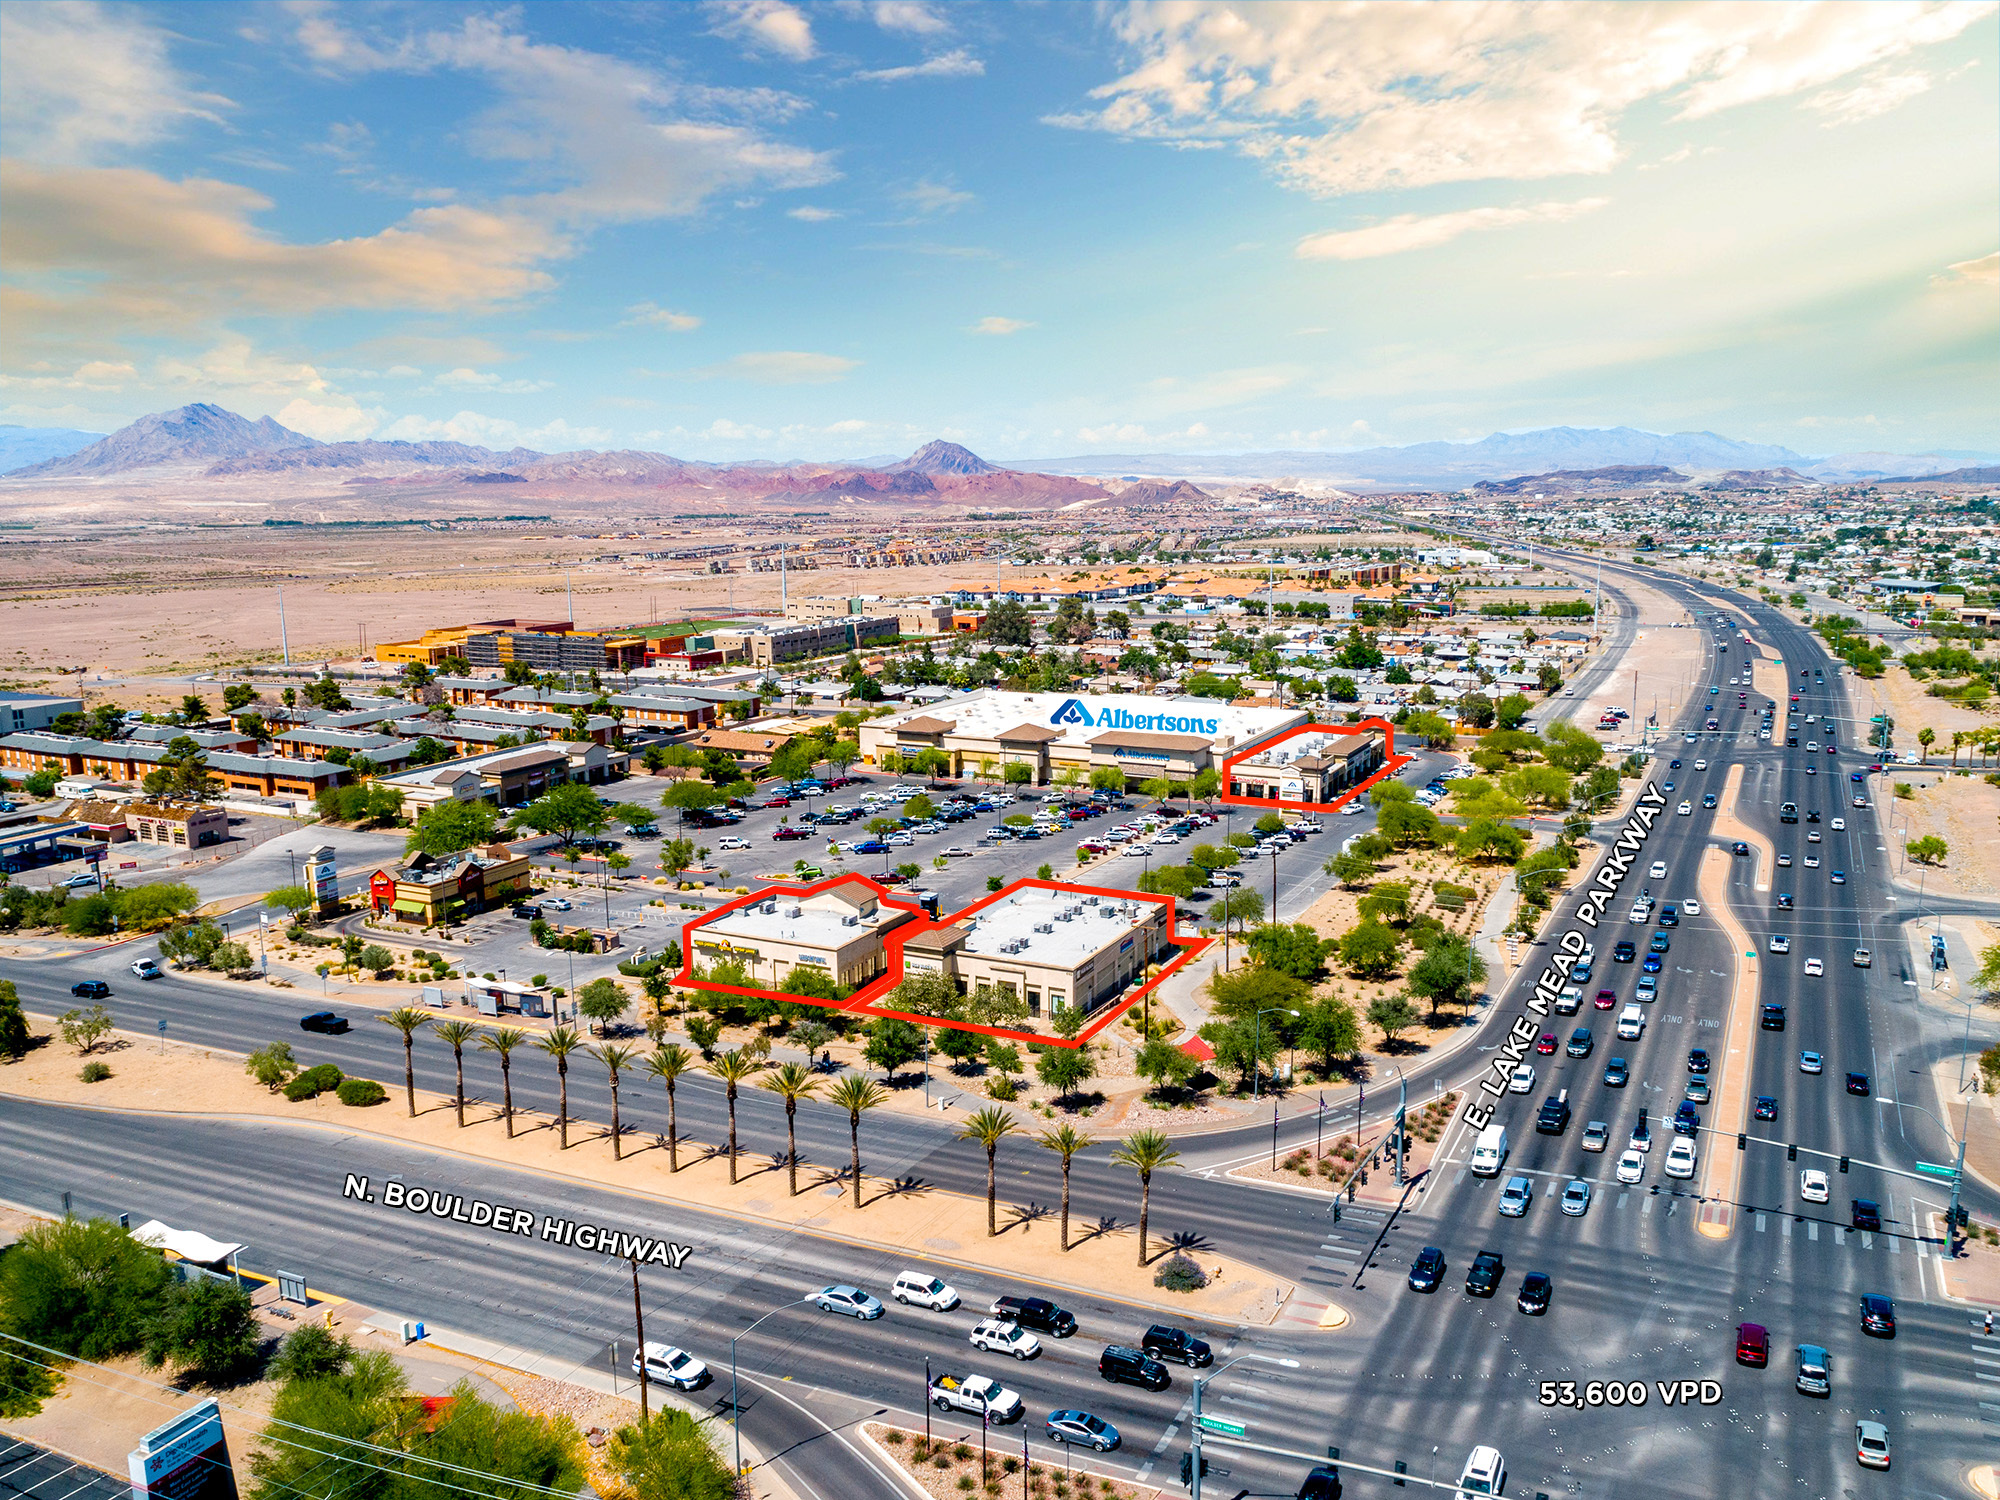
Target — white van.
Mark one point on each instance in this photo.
(924, 1290)
(1631, 1023)
(1489, 1151)
(1485, 1473)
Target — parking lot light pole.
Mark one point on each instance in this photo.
(735, 1410)
(1257, 1045)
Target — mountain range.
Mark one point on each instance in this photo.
(207, 441)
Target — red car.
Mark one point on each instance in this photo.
(788, 832)
(776, 802)
(1753, 1344)
(1605, 999)
(1546, 1044)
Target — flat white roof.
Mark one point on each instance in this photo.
(815, 922)
(1079, 718)
(1078, 930)
(1302, 746)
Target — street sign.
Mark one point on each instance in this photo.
(1221, 1424)
(1932, 1169)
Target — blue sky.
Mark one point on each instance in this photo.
(757, 229)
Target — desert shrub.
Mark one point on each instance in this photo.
(95, 1072)
(360, 1091)
(313, 1082)
(1178, 1273)
(1003, 1088)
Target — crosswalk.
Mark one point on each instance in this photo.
(1344, 1250)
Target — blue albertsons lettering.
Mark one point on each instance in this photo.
(1073, 711)
(1611, 873)
(504, 1219)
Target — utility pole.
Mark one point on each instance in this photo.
(569, 599)
(784, 593)
(639, 1334)
(284, 637)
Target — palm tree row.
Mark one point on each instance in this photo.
(1144, 1151)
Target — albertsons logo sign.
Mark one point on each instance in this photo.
(1073, 711)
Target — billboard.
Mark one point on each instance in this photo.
(184, 1459)
(323, 878)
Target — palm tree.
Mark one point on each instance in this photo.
(559, 1044)
(1145, 1152)
(667, 1063)
(504, 1041)
(856, 1094)
(1927, 737)
(732, 1068)
(987, 1127)
(456, 1034)
(409, 1021)
(1065, 1141)
(615, 1056)
(791, 1083)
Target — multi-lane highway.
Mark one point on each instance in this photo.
(1639, 1293)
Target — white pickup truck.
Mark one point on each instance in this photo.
(976, 1394)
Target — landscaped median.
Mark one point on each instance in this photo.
(1722, 1163)
(941, 1465)
(1728, 825)
(928, 1223)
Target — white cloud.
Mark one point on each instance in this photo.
(485, 380)
(1176, 394)
(329, 422)
(1870, 97)
(908, 15)
(931, 197)
(764, 26)
(1423, 231)
(782, 367)
(497, 432)
(652, 315)
(957, 63)
(807, 214)
(80, 82)
(1352, 98)
(91, 375)
(999, 325)
(1982, 271)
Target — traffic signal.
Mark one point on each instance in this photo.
(1843, 1164)
(1187, 1469)
(1742, 1141)
(1401, 1468)
(1961, 1217)
(1792, 1151)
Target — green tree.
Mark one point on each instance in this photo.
(1145, 1152)
(1241, 993)
(857, 1095)
(562, 1043)
(1406, 823)
(14, 1036)
(1007, 623)
(84, 1029)
(988, 1126)
(616, 1058)
(1165, 1066)
(311, 1352)
(1449, 973)
(1066, 1141)
(792, 1082)
(1570, 749)
(1512, 711)
(1369, 949)
(84, 1287)
(676, 854)
(1929, 850)
(204, 1329)
(1065, 1069)
(1391, 1014)
(1330, 1031)
(891, 1045)
(690, 796)
(568, 811)
(455, 1034)
(601, 1002)
(669, 1458)
(290, 899)
(1238, 908)
(1290, 948)
(447, 827)
(1107, 779)
(1926, 737)
(272, 1065)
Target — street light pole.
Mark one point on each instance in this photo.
(1201, 1381)
(735, 1408)
(1257, 1046)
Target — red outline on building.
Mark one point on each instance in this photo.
(1391, 764)
(862, 1001)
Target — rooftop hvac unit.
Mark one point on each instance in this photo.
(1046, 927)
(1090, 901)
(794, 911)
(1065, 915)
(770, 908)
(850, 921)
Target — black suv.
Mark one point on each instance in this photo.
(1553, 1117)
(1772, 1018)
(1162, 1342)
(1866, 1213)
(1483, 1280)
(325, 1022)
(1037, 1313)
(91, 989)
(1687, 1119)
(1878, 1316)
(1697, 1059)
(527, 911)
(1622, 952)
(1427, 1270)
(1130, 1367)
(1580, 1042)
